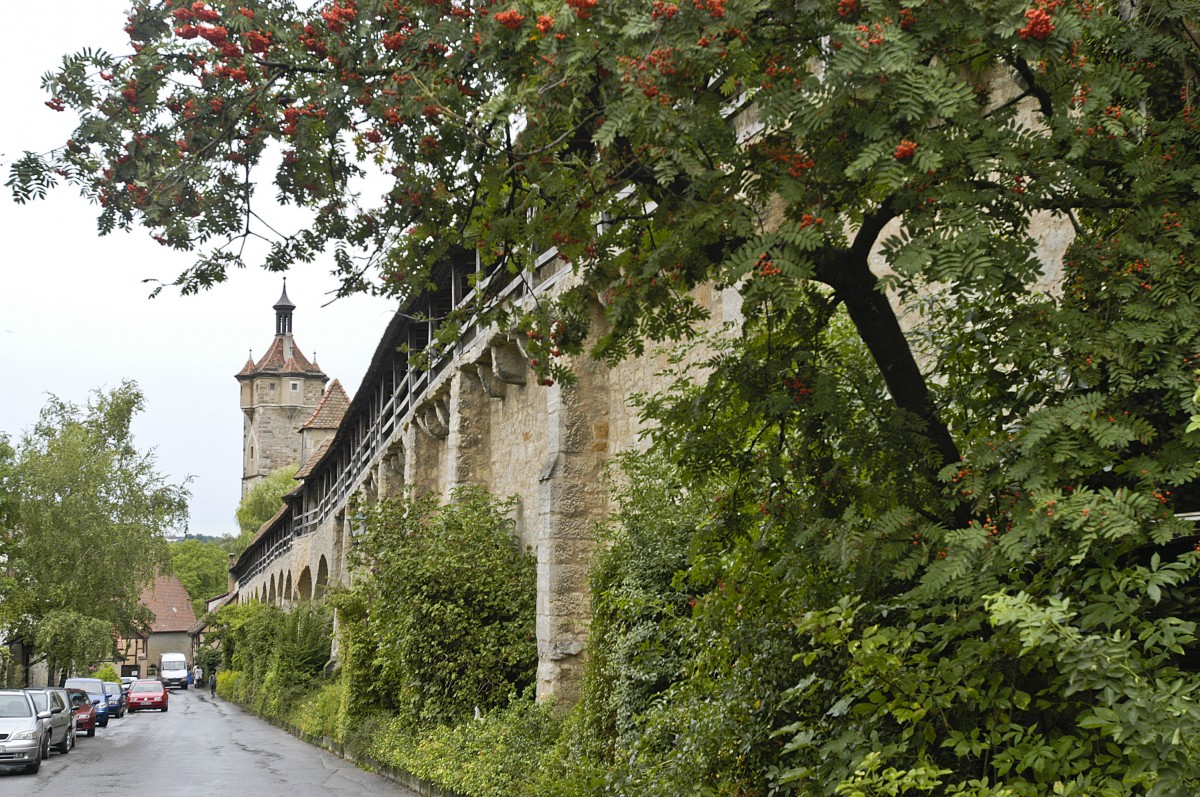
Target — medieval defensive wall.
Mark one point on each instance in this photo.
(475, 416)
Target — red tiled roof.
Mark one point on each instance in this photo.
(331, 409)
(313, 459)
(282, 358)
(226, 599)
(169, 602)
(247, 369)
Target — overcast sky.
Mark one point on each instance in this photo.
(74, 314)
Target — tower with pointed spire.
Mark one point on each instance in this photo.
(279, 394)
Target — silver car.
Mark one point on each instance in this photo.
(62, 715)
(23, 737)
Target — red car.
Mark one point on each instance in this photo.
(85, 712)
(147, 693)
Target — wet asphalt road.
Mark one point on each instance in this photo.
(200, 747)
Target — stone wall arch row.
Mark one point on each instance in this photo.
(322, 583)
(304, 585)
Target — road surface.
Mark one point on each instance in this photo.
(202, 746)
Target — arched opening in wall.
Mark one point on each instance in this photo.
(271, 593)
(288, 595)
(322, 577)
(304, 585)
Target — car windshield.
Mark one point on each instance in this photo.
(41, 700)
(14, 706)
(80, 698)
(146, 688)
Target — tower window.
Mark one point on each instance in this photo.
(271, 387)
(295, 386)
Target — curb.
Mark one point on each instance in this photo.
(400, 776)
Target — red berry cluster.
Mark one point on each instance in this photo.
(310, 38)
(798, 388)
(337, 17)
(797, 162)
(766, 267)
(257, 41)
(905, 150)
(661, 10)
(544, 23)
(715, 8)
(1039, 25)
(510, 19)
(292, 116)
(583, 8)
(394, 41)
(236, 74)
(846, 8)
(197, 12)
(872, 35)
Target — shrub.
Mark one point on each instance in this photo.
(499, 755)
(108, 673)
(317, 713)
(449, 602)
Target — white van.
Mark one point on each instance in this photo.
(173, 670)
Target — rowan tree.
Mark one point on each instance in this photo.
(1030, 421)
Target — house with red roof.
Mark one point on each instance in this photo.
(171, 606)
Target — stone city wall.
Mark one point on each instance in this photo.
(484, 420)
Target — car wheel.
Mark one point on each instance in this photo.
(32, 769)
(65, 746)
(46, 747)
(164, 708)
(91, 731)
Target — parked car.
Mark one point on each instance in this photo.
(148, 693)
(85, 712)
(116, 699)
(95, 689)
(126, 682)
(66, 701)
(26, 741)
(61, 723)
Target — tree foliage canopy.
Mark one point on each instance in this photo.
(84, 531)
(261, 502)
(203, 569)
(717, 139)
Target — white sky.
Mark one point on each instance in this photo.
(74, 314)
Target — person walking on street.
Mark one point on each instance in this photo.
(212, 684)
